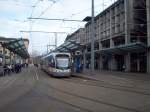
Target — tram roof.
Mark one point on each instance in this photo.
(17, 46)
(69, 46)
(132, 47)
(54, 54)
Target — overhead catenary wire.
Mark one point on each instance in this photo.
(15, 3)
(88, 9)
(48, 33)
(55, 19)
(31, 22)
(85, 10)
(42, 32)
(45, 10)
(42, 13)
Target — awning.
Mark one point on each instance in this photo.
(17, 46)
(132, 47)
(69, 46)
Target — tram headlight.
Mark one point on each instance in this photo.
(58, 70)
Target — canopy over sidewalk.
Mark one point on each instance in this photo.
(69, 46)
(132, 47)
(17, 46)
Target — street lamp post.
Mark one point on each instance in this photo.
(92, 38)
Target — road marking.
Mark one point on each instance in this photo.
(85, 80)
(33, 78)
(37, 77)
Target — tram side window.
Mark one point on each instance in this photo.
(42, 62)
(51, 61)
(45, 62)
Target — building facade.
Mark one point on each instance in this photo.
(78, 35)
(122, 37)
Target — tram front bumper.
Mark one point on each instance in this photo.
(61, 74)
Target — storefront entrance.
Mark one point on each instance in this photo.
(97, 60)
(120, 62)
(138, 62)
(88, 59)
(105, 63)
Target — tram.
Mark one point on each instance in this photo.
(57, 64)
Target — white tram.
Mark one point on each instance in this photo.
(57, 64)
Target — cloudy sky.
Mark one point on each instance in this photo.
(14, 16)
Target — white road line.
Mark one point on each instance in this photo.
(33, 78)
(37, 77)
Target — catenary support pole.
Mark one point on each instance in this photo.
(92, 38)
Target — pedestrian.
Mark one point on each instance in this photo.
(16, 68)
(124, 67)
(12, 68)
(5, 69)
(9, 69)
(19, 67)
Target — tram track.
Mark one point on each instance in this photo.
(106, 85)
(88, 99)
(94, 83)
(48, 84)
(48, 81)
(45, 85)
(62, 101)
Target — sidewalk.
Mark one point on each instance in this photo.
(118, 78)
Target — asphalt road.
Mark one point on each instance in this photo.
(35, 91)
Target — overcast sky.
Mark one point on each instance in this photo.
(14, 16)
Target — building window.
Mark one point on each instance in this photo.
(106, 44)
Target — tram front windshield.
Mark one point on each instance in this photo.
(62, 62)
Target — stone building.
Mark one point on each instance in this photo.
(122, 37)
(78, 35)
